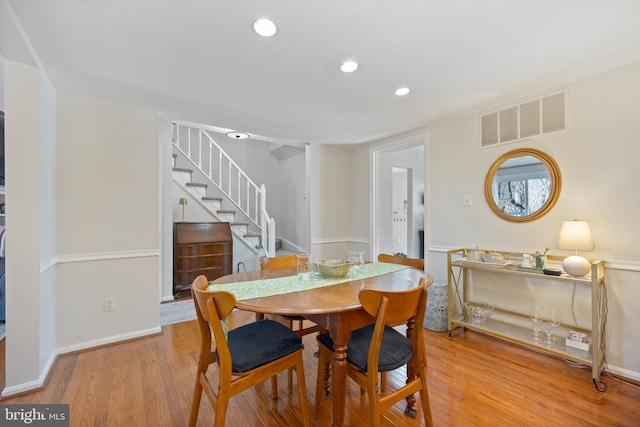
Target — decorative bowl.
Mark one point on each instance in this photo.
(333, 267)
(479, 311)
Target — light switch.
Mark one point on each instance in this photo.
(467, 199)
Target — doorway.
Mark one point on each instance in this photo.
(398, 211)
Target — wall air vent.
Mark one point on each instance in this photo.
(543, 115)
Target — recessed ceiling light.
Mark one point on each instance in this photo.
(237, 135)
(264, 27)
(349, 66)
(402, 91)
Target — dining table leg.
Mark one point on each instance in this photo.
(340, 337)
(411, 371)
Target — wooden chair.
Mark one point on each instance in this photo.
(289, 261)
(246, 355)
(394, 259)
(278, 262)
(380, 348)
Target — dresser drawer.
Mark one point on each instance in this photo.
(203, 262)
(186, 277)
(203, 249)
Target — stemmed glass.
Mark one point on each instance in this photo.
(537, 319)
(552, 321)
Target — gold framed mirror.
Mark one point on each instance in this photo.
(523, 185)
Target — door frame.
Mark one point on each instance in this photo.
(399, 143)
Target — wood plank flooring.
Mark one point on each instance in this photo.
(474, 380)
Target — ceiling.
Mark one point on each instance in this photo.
(201, 61)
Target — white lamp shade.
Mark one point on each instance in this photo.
(576, 236)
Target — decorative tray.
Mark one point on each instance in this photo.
(530, 269)
(484, 263)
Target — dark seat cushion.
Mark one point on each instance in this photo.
(394, 352)
(259, 343)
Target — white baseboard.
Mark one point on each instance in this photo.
(31, 385)
(290, 246)
(108, 340)
(624, 373)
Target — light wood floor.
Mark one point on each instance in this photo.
(474, 380)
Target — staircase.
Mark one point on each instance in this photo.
(221, 187)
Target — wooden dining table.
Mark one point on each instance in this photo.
(335, 307)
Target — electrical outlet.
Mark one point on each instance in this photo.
(109, 304)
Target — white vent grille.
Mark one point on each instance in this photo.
(509, 124)
(531, 118)
(553, 113)
(489, 129)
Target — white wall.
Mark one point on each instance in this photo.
(166, 207)
(292, 186)
(30, 283)
(383, 212)
(359, 196)
(107, 221)
(597, 155)
(47, 218)
(2, 82)
(330, 202)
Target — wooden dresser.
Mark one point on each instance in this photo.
(200, 248)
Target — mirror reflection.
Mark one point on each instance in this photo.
(522, 185)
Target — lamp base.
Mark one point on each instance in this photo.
(575, 265)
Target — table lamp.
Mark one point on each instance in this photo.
(183, 201)
(576, 236)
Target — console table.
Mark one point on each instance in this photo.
(513, 324)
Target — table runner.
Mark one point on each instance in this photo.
(284, 285)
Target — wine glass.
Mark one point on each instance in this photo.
(551, 321)
(537, 318)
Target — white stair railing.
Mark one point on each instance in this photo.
(196, 143)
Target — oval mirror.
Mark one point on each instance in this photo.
(522, 185)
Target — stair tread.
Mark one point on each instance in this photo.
(219, 199)
(182, 170)
(226, 211)
(195, 184)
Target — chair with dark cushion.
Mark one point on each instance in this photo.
(296, 323)
(380, 348)
(246, 356)
(289, 261)
(396, 259)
